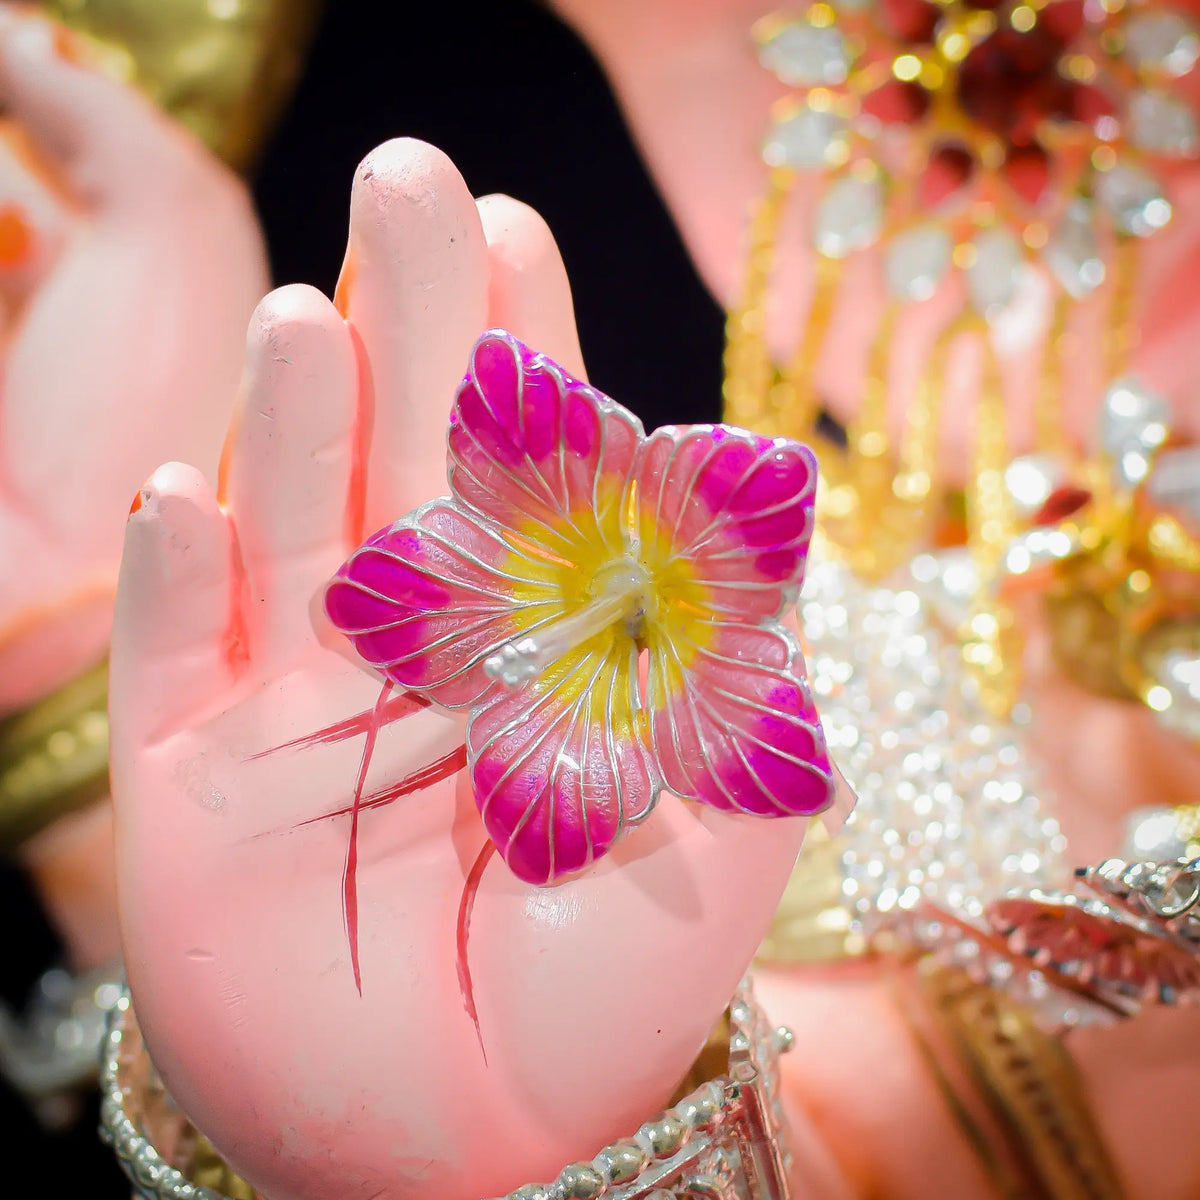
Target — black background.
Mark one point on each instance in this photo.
(521, 107)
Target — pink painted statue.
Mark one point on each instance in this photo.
(699, 102)
(130, 261)
(297, 835)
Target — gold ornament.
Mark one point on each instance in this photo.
(1031, 134)
(54, 758)
(221, 68)
(1013, 1090)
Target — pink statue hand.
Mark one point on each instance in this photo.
(130, 260)
(592, 997)
(698, 100)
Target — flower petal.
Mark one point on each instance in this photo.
(429, 598)
(733, 723)
(540, 452)
(558, 769)
(725, 518)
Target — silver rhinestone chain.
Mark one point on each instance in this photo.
(725, 1139)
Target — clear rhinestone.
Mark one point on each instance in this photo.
(807, 139)
(946, 799)
(1031, 479)
(801, 54)
(1038, 548)
(1161, 41)
(1170, 656)
(849, 217)
(992, 277)
(947, 583)
(1133, 424)
(1174, 482)
(1168, 891)
(916, 262)
(1154, 833)
(1072, 252)
(1161, 124)
(1134, 199)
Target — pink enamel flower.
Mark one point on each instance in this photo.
(606, 606)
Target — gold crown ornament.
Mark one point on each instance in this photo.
(222, 68)
(1120, 570)
(996, 139)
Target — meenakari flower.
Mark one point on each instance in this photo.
(606, 606)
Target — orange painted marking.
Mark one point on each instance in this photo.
(345, 284)
(356, 494)
(72, 48)
(237, 636)
(136, 506)
(16, 236)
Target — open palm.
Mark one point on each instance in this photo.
(592, 997)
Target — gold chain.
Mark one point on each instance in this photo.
(749, 370)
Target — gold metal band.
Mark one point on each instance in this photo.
(54, 758)
(224, 72)
(813, 923)
(1028, 1120)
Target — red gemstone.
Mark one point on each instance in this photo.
(897, 103)
(1063, 20)
(946, 174)
(1027, 169)
(1010, 83)
(1063, 502)
(1089, 104)
(911, 20)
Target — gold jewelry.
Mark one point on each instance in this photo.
(223, 70)
(1120, 575)
(813, 922)
(1035, 170)
(54, 758)
(1029, 1119)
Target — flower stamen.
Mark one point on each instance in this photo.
(620, 593)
